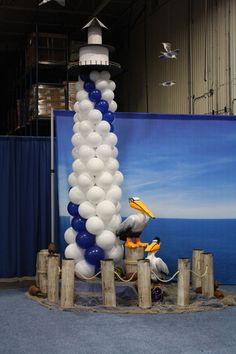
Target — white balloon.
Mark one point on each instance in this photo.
(85, 106)
(78, 166)
(86, 153)
(118, 178)
(112, 165)
(94, 116)
(113, 106)
(95, 166)
(111, 139)
(78, 140)
(94, 139)
(85, 181)
(103, 152)
(106, 240)
(79, 85)
(114, 194)
(103, 128)
(76, 107)
(73, 251)
(76, 127)
(114, 223)
(101, 84)
(85, 127)
(105, 75)
(111, 85)
(104, 180)
(105, 210)
(95, 194)
(75, 153)
(72, 179)
(70, 235)
(94, 225)
(84, 269)
(81, 95)
(118, 207)
(76, 117)
(115, 152)
(76, 195)
(116, 253)
(94, 75)
(86, 210)
(108, 95)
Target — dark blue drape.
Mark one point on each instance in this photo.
(24, 203)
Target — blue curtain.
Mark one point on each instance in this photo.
(24, 203)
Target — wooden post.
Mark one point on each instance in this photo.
(53, 278)
(42, 271)
(67, 283)
(183, 281)
(208, 279)
(108, 283)
(144, 284)
(196, 267)
(132, 255)
(37, 268)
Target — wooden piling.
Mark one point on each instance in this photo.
(183, 281)
(42, 271)
(144, 284)
(67, 283)
(108, 283)
(196, 268)
(132, 255)
(53, 278)
(208, 279)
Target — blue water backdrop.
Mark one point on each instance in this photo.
(180, 236)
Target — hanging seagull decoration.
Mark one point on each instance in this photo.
(168, 53)
(60, 2)
(168, 83)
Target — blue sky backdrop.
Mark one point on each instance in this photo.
(180, 168)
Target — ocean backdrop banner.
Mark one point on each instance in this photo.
(184, 168)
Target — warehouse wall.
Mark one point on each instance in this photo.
(205, 72)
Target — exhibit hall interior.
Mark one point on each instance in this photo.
(118, 187)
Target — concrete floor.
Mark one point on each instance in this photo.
(27, 327)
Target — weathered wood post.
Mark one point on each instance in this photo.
(208, 279)
(67, 283)
(144, 284)
(53, 278)
(108, 283)
(196, 267)
(37, 268)
(42, 271)
(183, 281)
(132, 255)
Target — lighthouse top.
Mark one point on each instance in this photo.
(95, 31)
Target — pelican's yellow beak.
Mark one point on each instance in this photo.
(152, 247)
(139, 205)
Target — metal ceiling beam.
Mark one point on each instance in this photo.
(100, 8)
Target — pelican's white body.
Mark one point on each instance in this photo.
(158, 266)
(135, 223)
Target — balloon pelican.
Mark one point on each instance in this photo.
(157, 265)
(132, 227)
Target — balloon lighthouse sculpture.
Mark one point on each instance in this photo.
(95, 181)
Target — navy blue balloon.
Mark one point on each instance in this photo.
(85, 240)
(95, 95)
(109, 117)
(102, 106)
(84, 76)
(112, 128)
(94, 255)
(73, 209)
(89, 86)
(78, 223)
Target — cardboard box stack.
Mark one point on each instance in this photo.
(72, 94)
(49, 96)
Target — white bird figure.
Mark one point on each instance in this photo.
(168, 83)
(157, 265)
(168, 53)
(60, 2)
(132, 227)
